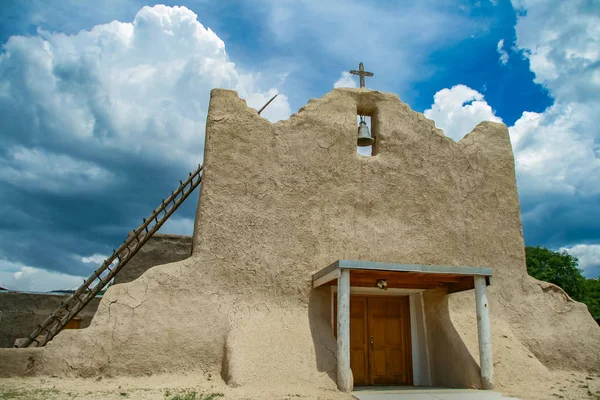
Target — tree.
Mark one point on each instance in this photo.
(592, 297)
(557, 268)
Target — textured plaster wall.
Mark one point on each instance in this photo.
(280, 201)
(160, 249)
(22, 312)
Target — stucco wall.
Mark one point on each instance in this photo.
(280, 201)
(22, 312)
(160, 249)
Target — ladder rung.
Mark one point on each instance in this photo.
(44, 328)
(61, 316)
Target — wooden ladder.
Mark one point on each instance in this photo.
(69, 308)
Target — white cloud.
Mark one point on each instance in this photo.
(178, 226)
(82, 111)
(350, 31)
(553, 152)
(588, 255)
(557, 155)
(503, 53)
(458, 110)
(57, 173)
(94, 259)
(557, 151)
(136, 87)
(346, 80)
(561, 39)
(14, 276)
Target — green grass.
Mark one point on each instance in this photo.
(14, 393)
(213, 396)
(191, 395)
(27, 394)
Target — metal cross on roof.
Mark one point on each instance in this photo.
(362, 73)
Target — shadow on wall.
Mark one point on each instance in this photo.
(452, 365)
(319, 317)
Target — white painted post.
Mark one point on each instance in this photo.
(485, 337)
(414, 335)
(345, 380)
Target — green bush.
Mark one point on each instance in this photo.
(561, 269)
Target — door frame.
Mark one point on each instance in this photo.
(418, 327)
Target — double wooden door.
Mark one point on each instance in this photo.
(380, 341)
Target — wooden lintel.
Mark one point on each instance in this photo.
(467, 284)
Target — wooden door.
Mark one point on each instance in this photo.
(390, 356)
(388, 360)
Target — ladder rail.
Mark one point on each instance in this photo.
(59, 313)
(136, 232)
(93, 292)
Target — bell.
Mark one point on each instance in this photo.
(364, 136)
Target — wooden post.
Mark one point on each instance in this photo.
(345, 380)
(484, 332)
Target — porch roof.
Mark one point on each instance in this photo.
(410, 276)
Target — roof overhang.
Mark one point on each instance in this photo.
(408, 276)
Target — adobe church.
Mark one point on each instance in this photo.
(314, 265)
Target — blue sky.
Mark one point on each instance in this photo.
(102, 105)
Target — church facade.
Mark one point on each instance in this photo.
(314, 265)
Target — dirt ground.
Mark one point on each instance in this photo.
(567, 385)
(160, 387)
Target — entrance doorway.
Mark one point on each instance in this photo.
(396, 319)
(380, 340)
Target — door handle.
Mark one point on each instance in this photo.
(372, 341)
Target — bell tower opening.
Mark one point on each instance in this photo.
(364, 145)
(366, 121)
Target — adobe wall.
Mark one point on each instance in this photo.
(22, 312)
(281, 201)
(160, 249)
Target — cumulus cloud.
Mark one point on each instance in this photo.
(57, 173)
(553, 154)
(100, 125)
(321, 31)
(96, 259)
(179, 226)
(561, 40)
(346, 80)
(458, 110)
(503, 53)
(589, 258)
(14, 276)
(136, 87)
(557, 152)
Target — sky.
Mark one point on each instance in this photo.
(103, 105)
